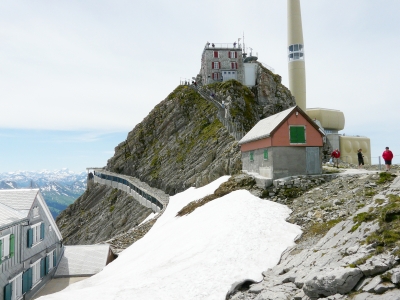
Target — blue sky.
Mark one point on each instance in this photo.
(77, 76)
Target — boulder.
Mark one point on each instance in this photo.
(331, 281)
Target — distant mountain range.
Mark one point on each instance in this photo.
(60, 188)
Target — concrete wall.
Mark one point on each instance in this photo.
(250, 73)
(349, 146)
(259, 164)
(163, 199)
(281, 162)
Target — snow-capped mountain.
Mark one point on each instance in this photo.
(60, 188)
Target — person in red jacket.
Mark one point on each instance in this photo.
(336, 155)
(387, 156)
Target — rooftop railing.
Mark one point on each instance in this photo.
(233, 45)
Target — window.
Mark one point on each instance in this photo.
(36, 271)
(13, 290)
(35, 212)
(216, 65)
(232, 54)
(215, 76)
(216, 54)
(7, 247)
(297, 134)
(50, 263)
(251, 155)
(234, 65)
(265, 154)
(296, 52)
(35, 234)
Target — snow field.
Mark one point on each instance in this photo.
(197, 256)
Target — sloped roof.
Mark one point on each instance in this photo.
(9, 215)
(18, 199)
(82, 260)
(265, 126)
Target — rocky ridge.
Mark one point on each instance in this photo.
(348, 249)
(181, 143)
(100, 214)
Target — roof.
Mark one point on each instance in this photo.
(83, 260)
(18, 199)
(265, 126)
(19, 202)
(9, 215)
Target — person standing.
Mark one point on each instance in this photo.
(360, 158)
(336, 155)
(387, 156)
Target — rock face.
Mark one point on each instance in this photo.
(356, 259)
(99, 214)
(181, 143)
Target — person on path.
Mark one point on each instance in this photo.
(387, 156)
(336, 155)
(360, 158)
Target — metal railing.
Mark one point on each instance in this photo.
(233, 45)
(235, 129)
(122, 182)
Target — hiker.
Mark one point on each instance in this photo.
(387, 156)
(336, 155)
(360, 158)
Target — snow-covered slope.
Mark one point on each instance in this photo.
(197, 256)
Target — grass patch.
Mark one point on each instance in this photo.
(385, 177)
(362, 217)
(379, 201)
(387, 237)
(370, 193)
(361, 261)
(324, 227)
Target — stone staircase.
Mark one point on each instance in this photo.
(235, 129)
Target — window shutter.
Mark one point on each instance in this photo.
(266, 154)
(29, 278)
(42, 231)
(42, 267)
(219, 65)
(8, 291)
(251, 155)
(1, 255)
(30, 238)
(54, 259)
(12, 245)
(47, 265)
(229, 54)
(235, 54)
(26, 281)
(297, 135)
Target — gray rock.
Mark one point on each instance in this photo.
(390, 295)
(395, 275)
(330, 282)
(383, 287)
(377, 264)
(372, 284)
